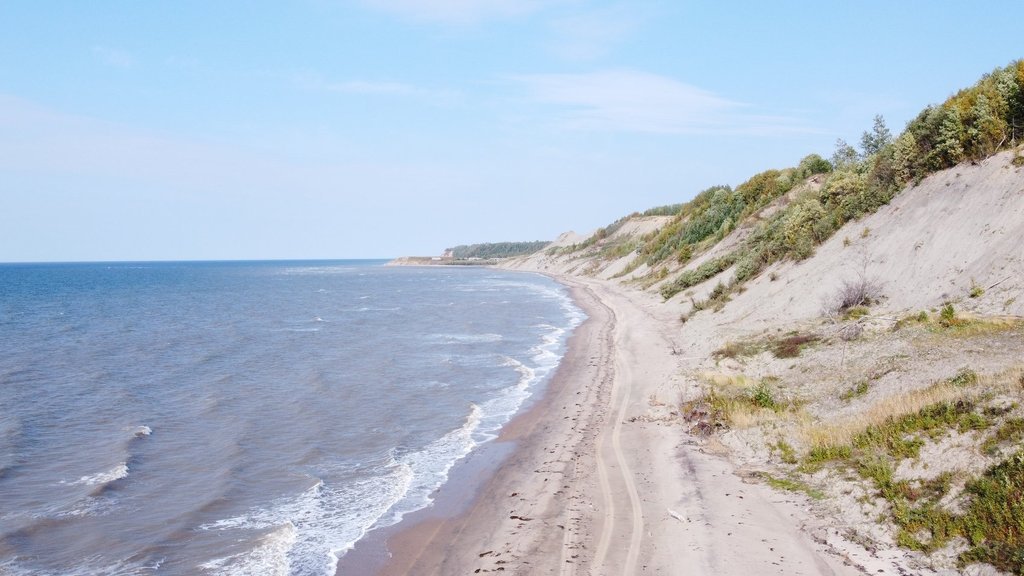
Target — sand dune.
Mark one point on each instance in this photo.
(606, 477)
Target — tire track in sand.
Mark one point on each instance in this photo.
(621, 376)
(604, 376)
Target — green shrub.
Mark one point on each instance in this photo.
(697, 275)
(1012, 430)
(965, 377)
(994, 520)
(761, 395)
(947, 315)
(856, 391)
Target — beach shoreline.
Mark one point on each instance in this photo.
(599, 476)
(476, 482)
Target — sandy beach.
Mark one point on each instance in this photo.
(603, 479)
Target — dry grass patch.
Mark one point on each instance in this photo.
(788, 346)
(948, 322)
(737, 401)
(965, 386)
(990, 513)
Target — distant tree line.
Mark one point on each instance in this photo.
(496, 249)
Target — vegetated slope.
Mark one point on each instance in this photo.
(853, 329)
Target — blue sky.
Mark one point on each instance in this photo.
(377, 128)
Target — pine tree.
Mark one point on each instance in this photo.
(879, 137)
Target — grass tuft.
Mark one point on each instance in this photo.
(791, 346)
(859, 389)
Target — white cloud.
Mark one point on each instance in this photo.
(114, 57)
(631, 101)
(364, 87)
(457, 11)
(375, 88)
(592, 34)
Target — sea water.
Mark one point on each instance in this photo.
(248, 417)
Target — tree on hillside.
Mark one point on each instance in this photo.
(879, 137)
(845, 156)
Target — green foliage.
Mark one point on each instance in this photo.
(497, 249)
(859, 389)
(812, 164)
(792, 485)
(991, 515)
(786, 452)
(972, 124)
(845, 156)
(747, 266)
(762, 396)
(994, 520)
(897, 438)
(697, 275)
(947, 315)
(818, 456)
(669, 210)
(1011, 431)
(965, 377)
(873, 142)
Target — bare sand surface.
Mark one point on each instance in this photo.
(604, 480)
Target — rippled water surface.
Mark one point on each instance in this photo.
(248, 418)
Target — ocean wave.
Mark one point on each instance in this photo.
(102, 478)
(431, 465)
(309, 531)
(468, 338)
(363, 309)
(91, 566)
(139, 431)
(269, 557)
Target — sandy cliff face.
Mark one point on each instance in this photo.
(954, 240)
(957, 229)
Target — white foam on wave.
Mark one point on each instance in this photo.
(311, 530)
(269, 557)
(100, 478)
(307, 533)
(362, 309)
(139, 431)
(316, 270)
(468, 338)
(431, 465)
(88, 566)
(545, 357)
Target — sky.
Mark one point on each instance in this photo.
(199, 130)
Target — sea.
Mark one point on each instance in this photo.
(253, 418)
